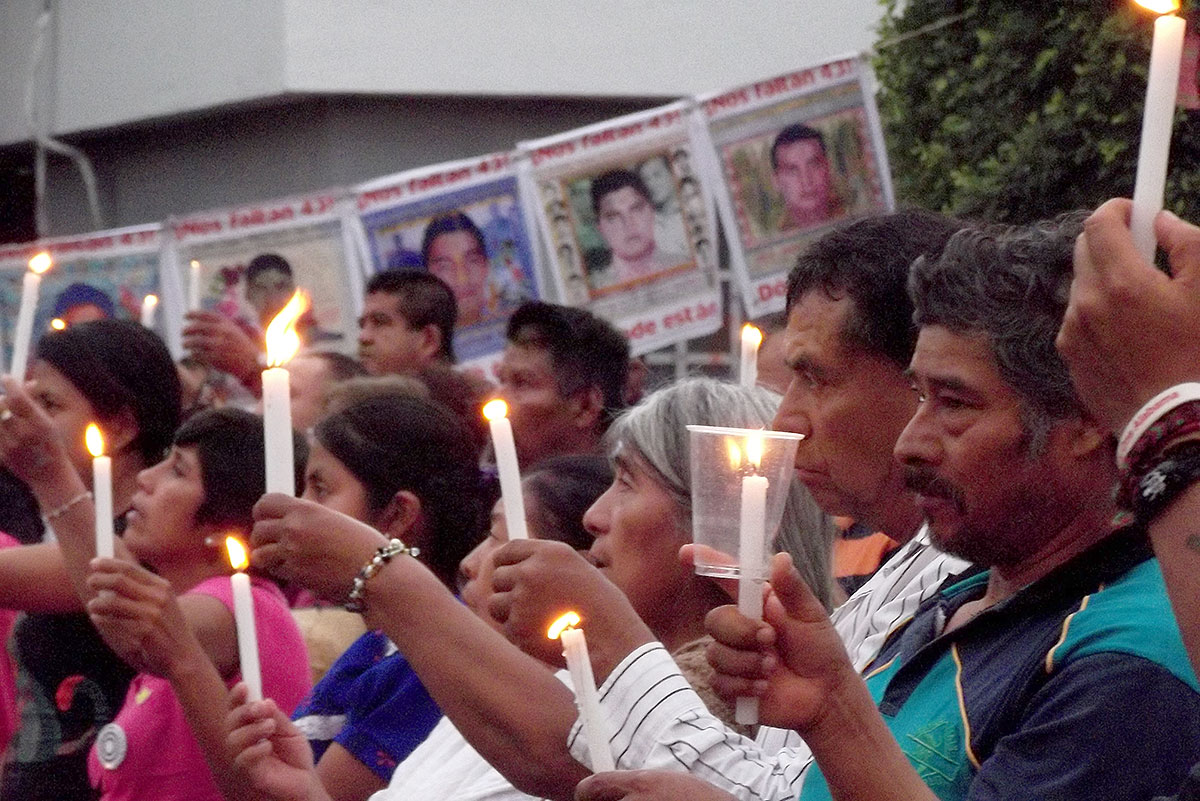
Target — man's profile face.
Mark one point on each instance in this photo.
(457, 258)
(626, 222)
(802, 177)
(268, 292)
(967, 454)
(540, 414)
(850, 405)
(387, 344)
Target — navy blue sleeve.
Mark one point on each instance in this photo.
(1109, 726)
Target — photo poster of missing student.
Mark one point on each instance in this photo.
(463, 221)
(796, 154)
(103, 274)
(250, 259)
(623, 213)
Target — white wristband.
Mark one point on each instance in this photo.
(1155, 409)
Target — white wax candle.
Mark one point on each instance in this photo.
(751, 340)
(510, 477)
(751, 548)
(23, 335)
(194, 287)
(247, 637)
(102, 492)
(595, 730)
(149, 307)
(277, 425)
(1162, 86)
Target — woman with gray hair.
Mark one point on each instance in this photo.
(509, 706)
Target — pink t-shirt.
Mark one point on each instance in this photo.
(161, 759)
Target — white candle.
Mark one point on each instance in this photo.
(243, 618)
(149, 307)
(282, 344)
(579, 665)
(751, 339)
(1157, 119)
(23, 335)
(194, 287)
(752, 545)
(277, 422)
(506, 465)
(102, 492)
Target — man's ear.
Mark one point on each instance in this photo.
(588, 407)
(1087, 436)
(400, 516)
(431, 341)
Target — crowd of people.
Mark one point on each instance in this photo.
(1012, 410)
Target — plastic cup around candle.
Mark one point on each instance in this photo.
(718, 464)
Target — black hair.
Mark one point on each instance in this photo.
(398, 442)
(585, 351)
(229, 447)
(267, 262)
(422, 299)
(341, 367)
(564, 487)
(791, 134)
(448, 224)
(867, 261)
(119, 365)
(613, 180)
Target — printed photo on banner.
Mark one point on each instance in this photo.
(796, 155)
(250, 278)
(80, 288)
(629, 224)
(475, 239)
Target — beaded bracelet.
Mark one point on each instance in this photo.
(58, 512)
(1158, 488)
(385, 554)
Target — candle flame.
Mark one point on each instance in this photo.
(495, 409)
(754, 449)
(1159, 6)
(195, 264)
(568, 621)
(40, 263)
(58, 324)
(150, 300)
(239, 559)
(735, 454)
(283, 341)
(94, 440)
(752, 335)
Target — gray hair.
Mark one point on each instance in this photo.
(655, 431)
(1012, 285)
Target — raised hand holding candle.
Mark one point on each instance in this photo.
(23, 335)
(1162, 85)
(243, 617)
(579, 665)
(752, 338)
(496, 412)
(149, 307)
(194, 287)
(752, 532)
(282, 344)
(102, 491)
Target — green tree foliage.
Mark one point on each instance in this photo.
(1023, 108)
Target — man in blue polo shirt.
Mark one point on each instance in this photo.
(1057, 670)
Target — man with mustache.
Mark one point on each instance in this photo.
(1056, 672)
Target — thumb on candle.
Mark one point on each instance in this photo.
(1181, 242)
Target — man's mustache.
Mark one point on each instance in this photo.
(924, 481)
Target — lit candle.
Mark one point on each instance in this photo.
(751, 547)
(751, 339)
(149, 306)
(102, 491)
(194, 287)
(282, 344)
(243, 618)
(595, 731)
(1157, 119)
(496, 412)
(23, 335)
(58, 324)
